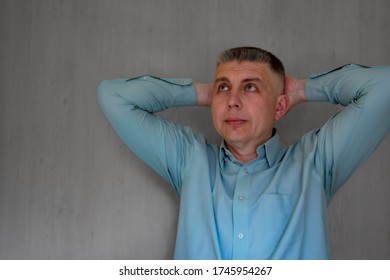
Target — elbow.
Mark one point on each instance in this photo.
(102, 92)
(109, 99)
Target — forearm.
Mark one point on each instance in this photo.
(146, 93)
(349, 83)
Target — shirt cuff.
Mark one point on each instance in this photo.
(186, 94)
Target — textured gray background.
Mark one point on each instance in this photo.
(70, 189)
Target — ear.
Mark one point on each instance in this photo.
(282, 103)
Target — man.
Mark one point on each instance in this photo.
(252, 197)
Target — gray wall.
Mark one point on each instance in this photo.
(70, 189)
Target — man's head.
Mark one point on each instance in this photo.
(253, 54)
(247, 96)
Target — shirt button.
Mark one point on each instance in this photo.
(246, 170)
(241, 197)
(240, 235)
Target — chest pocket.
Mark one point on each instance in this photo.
(278, 222)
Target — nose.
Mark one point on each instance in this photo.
(234, 101)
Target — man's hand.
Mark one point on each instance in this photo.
(294, 89)
(204, 92)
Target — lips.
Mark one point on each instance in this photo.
(235, 121)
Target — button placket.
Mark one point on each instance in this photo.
(240, 214)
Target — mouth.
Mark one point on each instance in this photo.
(235, 121)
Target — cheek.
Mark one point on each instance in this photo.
(217, 107)
(263, 111)
(215, 115)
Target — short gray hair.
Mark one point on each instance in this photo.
(252, 54)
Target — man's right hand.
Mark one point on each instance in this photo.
(204, 92)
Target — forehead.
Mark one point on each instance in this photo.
(238, 71)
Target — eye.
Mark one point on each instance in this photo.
(250, 87)
(222, 87)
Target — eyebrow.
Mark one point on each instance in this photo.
(252, 80)
(224, 79)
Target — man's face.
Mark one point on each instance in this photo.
(245, 103)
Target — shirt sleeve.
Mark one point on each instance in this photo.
(130, 104)
(351, 135)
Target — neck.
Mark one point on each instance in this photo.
(243, 155)
(246, 152)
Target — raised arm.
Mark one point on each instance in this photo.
(349, 137)
(130, 104)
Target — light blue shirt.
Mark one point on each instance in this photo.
(274, 207)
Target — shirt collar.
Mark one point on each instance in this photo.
(272, 150)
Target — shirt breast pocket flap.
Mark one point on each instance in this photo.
(282, 217)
